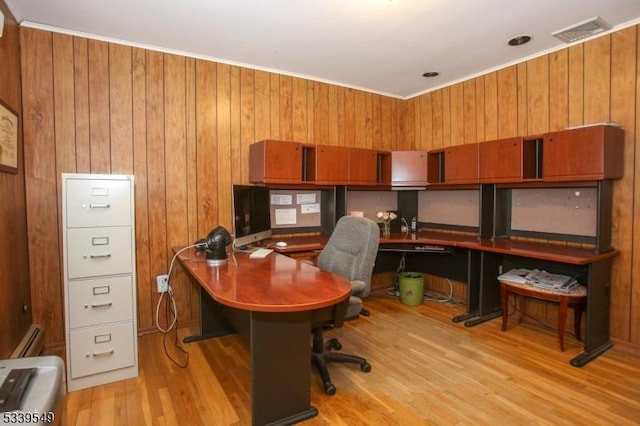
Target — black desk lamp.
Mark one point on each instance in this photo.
(215, 246)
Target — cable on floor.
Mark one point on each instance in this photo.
(171, 314)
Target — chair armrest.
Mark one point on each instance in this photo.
(358, 286)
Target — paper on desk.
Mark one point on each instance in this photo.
(285, 216)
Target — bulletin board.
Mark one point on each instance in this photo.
(460, 207)
(369, 203)
(570, 211)
(295, 208)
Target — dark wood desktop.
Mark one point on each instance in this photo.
(478, 262)
(271, 302)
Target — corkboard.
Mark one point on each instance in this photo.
(459, 207)
(371, 202)
(570, 211)
(297, 210)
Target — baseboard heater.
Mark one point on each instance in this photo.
(31, 344)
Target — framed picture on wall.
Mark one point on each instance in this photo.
(8, 139)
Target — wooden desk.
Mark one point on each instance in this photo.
(271, 302)
(489, 258)
(480, 261)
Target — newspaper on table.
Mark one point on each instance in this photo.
(541, 279)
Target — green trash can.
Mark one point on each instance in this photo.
(411, 288)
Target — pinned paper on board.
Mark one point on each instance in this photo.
(285, 216)
(306, 198)
(281, 199)
(310, 208)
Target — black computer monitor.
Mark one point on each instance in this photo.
(252, 218)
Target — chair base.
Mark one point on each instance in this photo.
(321, 355)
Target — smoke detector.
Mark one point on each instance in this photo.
(582, 30)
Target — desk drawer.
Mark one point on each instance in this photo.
(99, 251)
(92, 202)
(100, 301)
(100, 349)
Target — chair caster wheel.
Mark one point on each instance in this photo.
(366, 367)
(329, 389)
(333, 344)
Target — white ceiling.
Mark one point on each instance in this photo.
(381, 46)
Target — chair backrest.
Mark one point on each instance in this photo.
(351, 250)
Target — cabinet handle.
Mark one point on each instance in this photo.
(99, 206)
(101, 305)
(102, 354)
(98, 256)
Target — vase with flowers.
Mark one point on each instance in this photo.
(385, 219)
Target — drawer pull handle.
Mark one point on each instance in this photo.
(98, 256)
(102, 354)
(99, 206)
(101, 305)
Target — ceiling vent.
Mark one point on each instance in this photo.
(582, 30)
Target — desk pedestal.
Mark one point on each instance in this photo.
(280, 358)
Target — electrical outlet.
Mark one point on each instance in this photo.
(163, 283)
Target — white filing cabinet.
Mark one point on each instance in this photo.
(98, 230)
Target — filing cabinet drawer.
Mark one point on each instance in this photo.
(100, 301)
(98, 203)
(99, 251)
(99, 349)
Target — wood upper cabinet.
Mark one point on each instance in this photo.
(454, 165)
(500, 161)
(409, 168)
(274, 161)
(586, 153)
(331, 165)
(369, 167)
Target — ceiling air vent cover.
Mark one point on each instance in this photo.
(582, 30)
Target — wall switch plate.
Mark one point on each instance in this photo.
(163, 283)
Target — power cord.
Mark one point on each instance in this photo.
(171, 314)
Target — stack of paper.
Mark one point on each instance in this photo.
(541, 279)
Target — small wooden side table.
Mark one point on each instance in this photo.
(576, 298)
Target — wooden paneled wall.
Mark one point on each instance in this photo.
(182, 126)
(14, 264)
(592, 82)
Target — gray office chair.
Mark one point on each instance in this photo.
(350, 252)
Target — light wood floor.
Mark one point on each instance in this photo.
(425, 370)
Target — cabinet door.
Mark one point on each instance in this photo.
(363, 166)
(332, 165)
(587, 153)
(272, 161)
(408, 168)
(461, 164)
(500, 160)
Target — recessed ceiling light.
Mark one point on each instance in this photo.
(430, 74)
(519, 40)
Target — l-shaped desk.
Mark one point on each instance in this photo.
(478, 262)
(273, 301)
